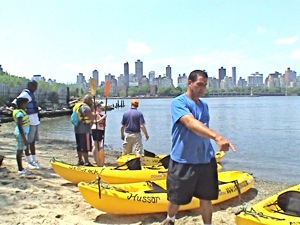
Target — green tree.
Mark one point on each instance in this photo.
(133, 91)
(11, 80)
(162, 91)
(100, 91)
(122, 93)
(144, 89)
(174, 91)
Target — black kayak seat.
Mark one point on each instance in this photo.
(134, 164)
(289, 202)
(149, 154)
(155, 188)
(165, 161)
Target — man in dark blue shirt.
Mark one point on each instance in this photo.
(132, 123)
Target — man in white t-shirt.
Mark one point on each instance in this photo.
(32, 112)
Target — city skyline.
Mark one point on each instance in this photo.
(59, 39)
(288, 78)
(224, 80)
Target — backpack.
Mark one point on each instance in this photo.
(74, 116)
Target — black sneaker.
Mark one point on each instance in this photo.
(88, 164)
(80, 163)
(167, 222)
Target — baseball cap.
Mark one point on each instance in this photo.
(135, 102)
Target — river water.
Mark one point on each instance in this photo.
(265, 131)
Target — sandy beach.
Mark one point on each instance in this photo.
(45, 198)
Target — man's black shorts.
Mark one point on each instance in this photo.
(185, 181)
(84, 142)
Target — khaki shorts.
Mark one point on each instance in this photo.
(133, 143)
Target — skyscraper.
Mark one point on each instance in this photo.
(234, 76)
(139, 69)
(289, 76)
(151, 77)
(222, 74)
(96, 76)
(255, 80)
(168, 71)
(126, 73)
(81, 80)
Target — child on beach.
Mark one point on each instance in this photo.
(98, 135)
(21, 131)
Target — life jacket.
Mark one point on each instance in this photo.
(102, 122)
(32, 106)
(25, 118)
(81, 118)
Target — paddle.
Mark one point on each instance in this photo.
(93, 89)
(106, 93)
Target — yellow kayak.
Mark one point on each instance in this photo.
(110, 174)
(151, 196)
(125, 173)
(150, 158)
(282, 208)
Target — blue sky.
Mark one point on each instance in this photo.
(60, 38)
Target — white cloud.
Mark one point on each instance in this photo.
(260, 29)
(290, 40)
(296, 54)
(138, 47)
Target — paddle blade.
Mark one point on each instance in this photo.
(93, 86)
(106, 88)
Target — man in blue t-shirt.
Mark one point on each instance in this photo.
(192, 170)
(132, 123)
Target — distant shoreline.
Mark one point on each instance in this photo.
(209, 96)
